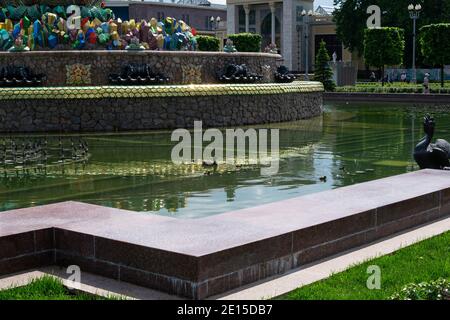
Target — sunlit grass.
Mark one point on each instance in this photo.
(425, 261)
(46, 288)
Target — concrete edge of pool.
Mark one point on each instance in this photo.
(208, 256)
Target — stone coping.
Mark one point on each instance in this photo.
(141, 53)
(202, 257)
(159, 91)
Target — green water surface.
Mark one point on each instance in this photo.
(349, 144)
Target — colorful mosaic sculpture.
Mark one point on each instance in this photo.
(229, 47)
(271, 48)
(85, 24)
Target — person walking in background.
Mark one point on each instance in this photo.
(403, 77)
(373, 77)
(426, 83)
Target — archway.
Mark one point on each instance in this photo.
(266, 31)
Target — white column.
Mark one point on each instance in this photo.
(231, 19)
(247, 17)
(288, 32)
(272, 10)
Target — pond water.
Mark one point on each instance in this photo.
(350, 143)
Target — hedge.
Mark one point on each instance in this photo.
(369, 89)
(246, 42)
(208, 43)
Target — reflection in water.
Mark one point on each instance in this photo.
(22, 156)
(349, 144)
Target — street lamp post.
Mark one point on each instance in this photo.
(414, 14)
(215, 23)
(306, 16)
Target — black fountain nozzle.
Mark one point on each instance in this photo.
(137, 74)
(19, 76)
(283, 75)
(238, 73)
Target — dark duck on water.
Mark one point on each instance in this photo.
(432, 155)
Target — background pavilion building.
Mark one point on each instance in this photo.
(282, 22)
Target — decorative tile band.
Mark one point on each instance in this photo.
(98, 92)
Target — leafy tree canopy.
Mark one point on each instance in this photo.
(384, 46)
(351, 17)
(435, 45)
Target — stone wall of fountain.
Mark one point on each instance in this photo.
(93, 67)
(156, 107)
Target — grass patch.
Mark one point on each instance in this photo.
(46, 288)
(427, 260)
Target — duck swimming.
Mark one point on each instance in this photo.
(432, 155)
(210, 164)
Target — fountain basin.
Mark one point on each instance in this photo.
(116, 108)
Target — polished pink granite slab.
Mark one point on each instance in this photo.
(219, 232)
(276, 237)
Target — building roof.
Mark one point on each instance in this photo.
(195, 2)
(325, 10)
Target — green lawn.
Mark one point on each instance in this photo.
(45, 288)
(424, 261)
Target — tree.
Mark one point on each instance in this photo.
(383, 46)
(350, 19)
(351, 16)
(435, 45)
(322, 70)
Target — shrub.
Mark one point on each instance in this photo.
(433, 290)
(208, 43)
(395, 87)
(323, 72)
(246, 42)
